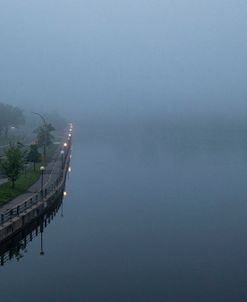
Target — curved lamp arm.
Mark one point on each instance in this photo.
(41, 116)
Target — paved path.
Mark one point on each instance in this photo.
(50, 174)
(3, 179)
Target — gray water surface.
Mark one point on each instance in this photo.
(147, 219)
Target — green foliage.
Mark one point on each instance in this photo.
(33, 155)
(10, 117)
(44, 134)
(25, 180)
(13, 164)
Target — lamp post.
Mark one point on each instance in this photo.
(44, 125)
(69, 170)
(62, 158)
(65, 145)
(42, 169)
(70, 127)
(69, 139)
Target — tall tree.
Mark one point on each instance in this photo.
(33, 155)
(13, 164)
(10, 117)
(44, 136)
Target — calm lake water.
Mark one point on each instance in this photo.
(147, 218)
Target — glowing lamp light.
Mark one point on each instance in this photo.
(65, 144)
(64, 193)
(69, 169)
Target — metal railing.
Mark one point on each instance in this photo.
(49, 188)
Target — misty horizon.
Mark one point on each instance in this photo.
(127, 58)
(139, 135)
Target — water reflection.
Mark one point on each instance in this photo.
(145, 218)
(16, 248)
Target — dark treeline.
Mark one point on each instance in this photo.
(10, 116)
(32, 142)
(16, 118)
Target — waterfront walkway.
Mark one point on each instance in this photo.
(51, 172)
(27, 207)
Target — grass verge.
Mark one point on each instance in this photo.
(25, 180)
(22, 184)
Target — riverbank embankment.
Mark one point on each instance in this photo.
(27, 207)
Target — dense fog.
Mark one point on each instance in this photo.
(154, 207)
(125, 60)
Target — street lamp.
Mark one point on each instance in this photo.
(65, 147)
(42, 169)
(44, 125)
(62, 157)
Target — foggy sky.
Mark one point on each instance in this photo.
(118, 57)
